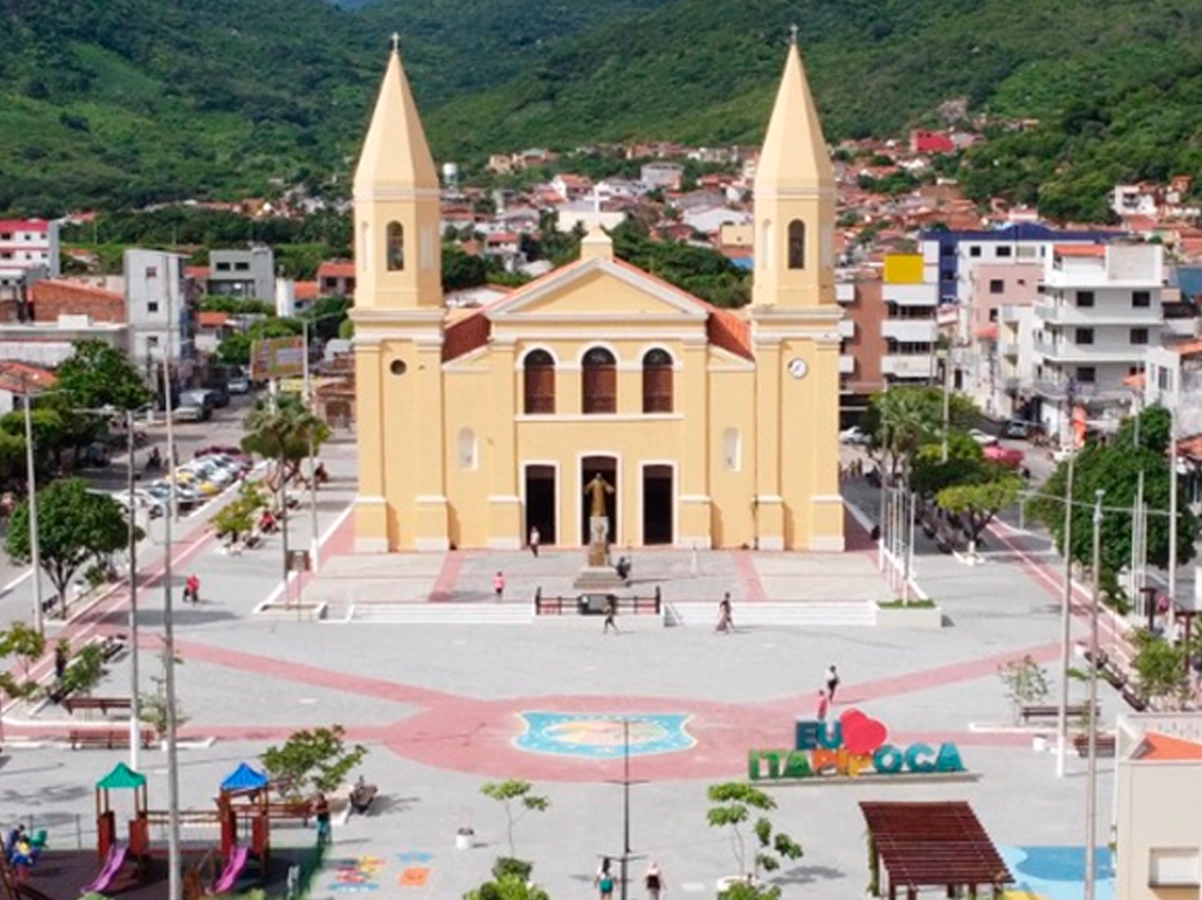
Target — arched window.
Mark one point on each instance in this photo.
(797, 244)
(600, 382)
(657, 381)
(732, 450)
(539, 386)
(395, 247)
(467, 448)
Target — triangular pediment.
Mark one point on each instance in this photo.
(599, 289)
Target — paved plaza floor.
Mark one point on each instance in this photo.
(444, 708)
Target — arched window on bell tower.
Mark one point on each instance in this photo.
(797, 244)
(395, 250)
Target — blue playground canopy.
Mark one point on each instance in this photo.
(244, 778)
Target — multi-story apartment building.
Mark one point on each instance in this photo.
(908, 327)
(243, 273)
(1173, 379)
(157, 306)
(1100, 312)
(28, 251)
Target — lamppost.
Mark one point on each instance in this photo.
(1091, 791)
(35, 556)
(626, 855)
(1066, 607)
(135, 724)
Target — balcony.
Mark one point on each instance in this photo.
(1102, 314)
(917, 366)
(1010, 313)
(1008, 349)
(911, 294)
(845, 292)
(847, 329)
(847, 364)
(1090, 354)
(910, 331)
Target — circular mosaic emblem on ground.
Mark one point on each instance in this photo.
(603, 736)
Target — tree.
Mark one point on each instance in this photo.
(74, 525)
(1162, 669)
(902, 421)
(154, 708)
(1026, 683)
(516, 797)
(280, 429)
(238, 517)
(736, 802)
(977, 504)
(25, 643)
(84, 671)
(319, 758)
(98, 375)
(507, 887)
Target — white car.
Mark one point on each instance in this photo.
(854, 435)
(1061, 454)
(984, 438)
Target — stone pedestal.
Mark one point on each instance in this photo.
(598, 574)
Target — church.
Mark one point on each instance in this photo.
(712, 428)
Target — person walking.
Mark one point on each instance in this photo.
(726, 622)
(498, 586)
(832, 682)
(824, 705)
(611, 610)
(535, 537)
(604, 882)
(654, 882)
(61, 659)
(321, 813)
(192, 589)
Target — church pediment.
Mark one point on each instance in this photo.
(599, 289)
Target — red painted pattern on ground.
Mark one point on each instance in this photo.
(749, 575)
(448, 577)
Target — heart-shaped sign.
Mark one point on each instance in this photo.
(862, 734)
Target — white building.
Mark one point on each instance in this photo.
(156, 305)
(1100, 313)
(48, 344)
(662, 174)
(28, 250)
(1173, 379)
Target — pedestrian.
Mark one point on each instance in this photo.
(192, 589)
(654, 882)
(824, 705)
(61, 659)
(604, 881)
(832, 682)
(611, 610)
(498, 586)
(321, 812)
(726, 622)
(535, 537)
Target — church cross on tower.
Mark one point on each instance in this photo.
(396, 42)
(793, 29)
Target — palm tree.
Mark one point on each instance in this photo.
(284, 430)
(908, 420)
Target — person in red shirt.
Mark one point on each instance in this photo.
(824, 705)
(192, 589)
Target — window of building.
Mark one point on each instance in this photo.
(657, 381)
(395, 246)
(466, 448)
(152, 306)
(1084, 336)
(1164, 378)
(1084, 298)
(732, 450)
(1141, 299)
(1087, 374)
(797, 244)
(152, 271)
(997, 286)
(241, 267)
(223, 267)
(600, 382)
(1003, 252)
(1139, 335)
(539, 388)
(7, 236)
(974, 250)
(152, 340)
(993, 314)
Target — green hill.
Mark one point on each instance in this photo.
(122, 102)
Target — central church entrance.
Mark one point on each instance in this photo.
(657, 504)
(607, 468)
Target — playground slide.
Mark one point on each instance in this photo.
(233, 869)
(112, 866)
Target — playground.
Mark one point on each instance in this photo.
(224, 850)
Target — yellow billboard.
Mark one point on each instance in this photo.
(277, 358)
(903, 268)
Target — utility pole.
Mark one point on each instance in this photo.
(315, 540)
(1091, 792)
(174, 884)
(626, 782)
(1066, 620)
(1172, 586)
(35, 553)
(135, 724)
(947, 400)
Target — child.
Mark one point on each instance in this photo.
(498, 586)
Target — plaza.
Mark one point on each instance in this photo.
(444, 708)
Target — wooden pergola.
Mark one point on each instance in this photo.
(927, 845)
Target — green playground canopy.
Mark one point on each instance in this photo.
(244, 778)
(122, 778)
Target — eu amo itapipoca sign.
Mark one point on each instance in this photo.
(853, 745)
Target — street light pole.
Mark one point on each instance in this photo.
(1091, 793)
(947, 401)
(174, 884)
(1172, 585)
(135, 724)
(1066, 620)
(315, 541)
(35, 555)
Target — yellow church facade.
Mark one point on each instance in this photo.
(714, 428)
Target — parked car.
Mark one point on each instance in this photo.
(984, 438)
(1004, 456)
(1016, 428)
(1061, 454)
(238, 385)
(184, 496)
(95, 455)
(854, 436)
(191, 412)
(227, 452)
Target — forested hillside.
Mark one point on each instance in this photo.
(121, 102)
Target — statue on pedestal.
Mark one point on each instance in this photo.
(598, 521)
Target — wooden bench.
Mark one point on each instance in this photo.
(1106, 745)
(109, 739)
(104, 704)
(1051, 711)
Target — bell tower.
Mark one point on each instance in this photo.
(795, 327)
(398, 259)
